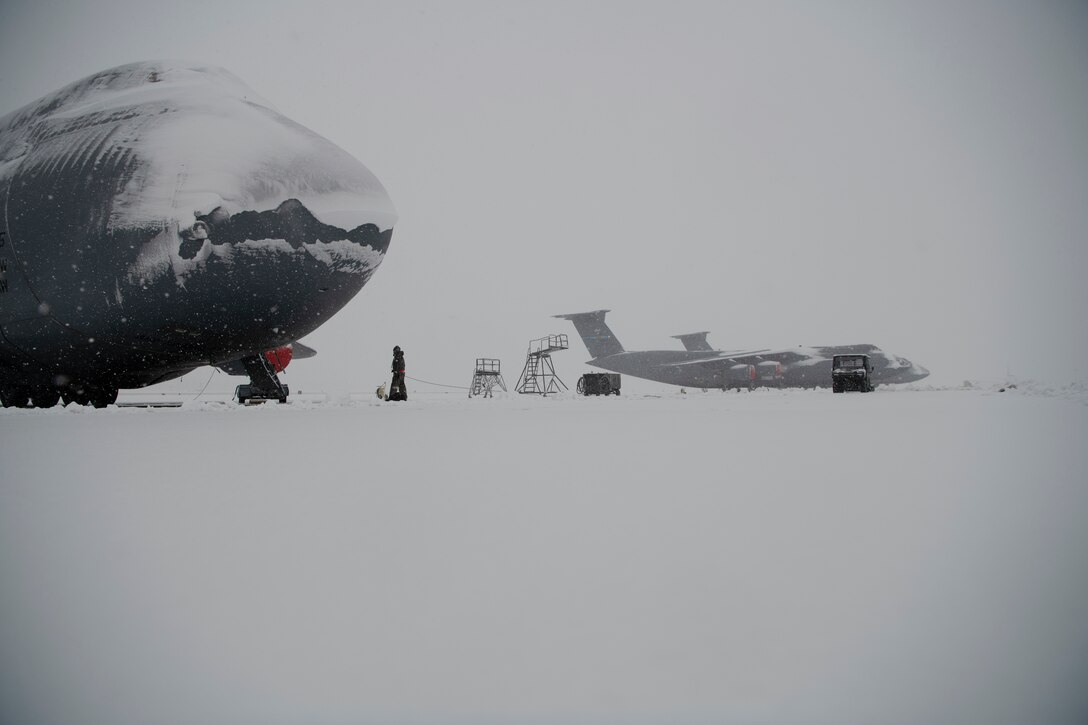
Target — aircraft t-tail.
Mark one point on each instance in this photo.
(700, 366)
(161, 216)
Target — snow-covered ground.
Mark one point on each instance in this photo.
(910, 556)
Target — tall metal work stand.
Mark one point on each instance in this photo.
(487, 375)
(539, 374)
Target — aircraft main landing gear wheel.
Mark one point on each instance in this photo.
(90, 395)
(103, 397)
(45, 396)
(14, 397)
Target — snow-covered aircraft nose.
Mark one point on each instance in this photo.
(903, 371)
(250, 203)
(165, 207)
(917, 372)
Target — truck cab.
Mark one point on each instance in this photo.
(851, 372)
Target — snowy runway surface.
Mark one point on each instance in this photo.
(907, 556)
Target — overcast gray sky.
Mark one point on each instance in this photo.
(913, 175)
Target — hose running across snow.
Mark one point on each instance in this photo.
(441, 385)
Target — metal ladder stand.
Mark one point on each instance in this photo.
(486, 377)
(539, 374)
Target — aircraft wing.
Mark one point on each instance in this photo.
(753, 357)
(301, 352)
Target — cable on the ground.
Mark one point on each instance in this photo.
(214, 371)
(441, 385)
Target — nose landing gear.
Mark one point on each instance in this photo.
(264, 384)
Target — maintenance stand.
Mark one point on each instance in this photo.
(539, 374)
(486, 377)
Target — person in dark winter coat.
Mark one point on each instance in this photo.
(396, 389)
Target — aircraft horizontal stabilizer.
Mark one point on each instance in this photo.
(695, 341)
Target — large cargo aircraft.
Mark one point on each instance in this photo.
(161, 216)
(700, 366)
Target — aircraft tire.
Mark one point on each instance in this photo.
(15, 397)
(102, 397)
(45, 396)
(90, 395)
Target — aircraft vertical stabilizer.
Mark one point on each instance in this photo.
(598, 339)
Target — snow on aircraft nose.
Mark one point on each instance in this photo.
(905, 372)
(245, 201)
(917, 372)
(166, 202)
(163, 216)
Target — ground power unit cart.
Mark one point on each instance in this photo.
(599, 384)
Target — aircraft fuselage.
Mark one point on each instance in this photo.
(798, 368)
(158, 217)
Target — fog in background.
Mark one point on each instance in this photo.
(913, 175)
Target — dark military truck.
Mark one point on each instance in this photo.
(851, 372)
(599, 384)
